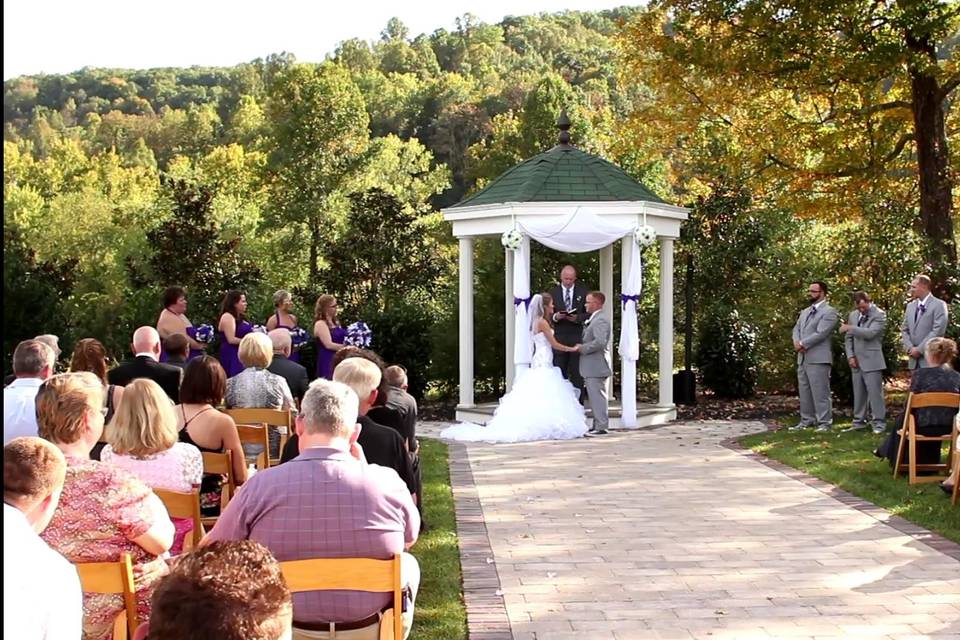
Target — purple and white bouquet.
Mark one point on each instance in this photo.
(299, 337)
(259, 328)
(358, 335)
(204, 333)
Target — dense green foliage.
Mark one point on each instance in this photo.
(727, 357)
(327, 177)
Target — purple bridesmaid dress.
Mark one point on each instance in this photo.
(325, 356)
(229, 353)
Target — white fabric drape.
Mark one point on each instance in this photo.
(631, 285)
(579, 232)
(523, 347)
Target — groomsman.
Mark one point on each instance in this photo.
(925, 319)
(863, 340)
(811, 341)
(569, 300)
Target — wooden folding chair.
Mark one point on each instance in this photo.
(909, 436)
(256, 434)
(354, 574)
(282, 419)
(220, 464)
(184, 505)
(113, 577)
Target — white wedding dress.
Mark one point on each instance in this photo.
(541, 406)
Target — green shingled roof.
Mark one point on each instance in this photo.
(562, 174)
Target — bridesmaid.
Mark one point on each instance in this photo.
(231, 329)
(329, 334)
(283, 319)
(172, 320)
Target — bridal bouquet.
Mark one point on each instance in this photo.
(299, 337)
(204, 333)
(259, 328)
(358, 335)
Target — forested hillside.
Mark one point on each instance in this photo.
(327, 176)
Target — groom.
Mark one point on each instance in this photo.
(594, 366)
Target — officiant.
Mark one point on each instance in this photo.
(569, 301)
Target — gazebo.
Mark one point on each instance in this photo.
(571, 201)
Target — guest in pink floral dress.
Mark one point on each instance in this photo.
(104, 511)
(143, 441)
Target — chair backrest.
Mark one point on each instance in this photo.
(283, 419)
(222, 464)
(113, 577)
(184, 505)
(354, 574)
(256, 434)
(933, 399)
(273, 417)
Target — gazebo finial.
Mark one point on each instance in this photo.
(563, 125)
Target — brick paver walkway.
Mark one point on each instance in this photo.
(669, 534)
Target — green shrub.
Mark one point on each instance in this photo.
(401, 335)
(726, 357)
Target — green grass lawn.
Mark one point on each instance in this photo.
(440, 614)
(847, 461)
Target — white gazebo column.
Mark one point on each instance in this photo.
(628, 368)
(606, 286)
(466, 322)
(508, 319)
(666, 322)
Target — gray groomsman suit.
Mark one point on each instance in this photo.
(864, 341)
(594, 366)
(813, 330)
(924, 320)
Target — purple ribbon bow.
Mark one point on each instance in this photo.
(624, 298)
(524, 301)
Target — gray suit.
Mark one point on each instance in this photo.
(864, 341)
(919, 327)
(594, 367)
(813, 330)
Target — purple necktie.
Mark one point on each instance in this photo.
(918, 312)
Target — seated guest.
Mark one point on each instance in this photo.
(32, 364)
(256, 388)
(294, 373)
(41, 590)
(146, 364)
(231, 590)
(51, 341)
(104, 511)
(143, 441)
(401, 402)
(930, 421)
(346, 508)
(381, 445)
(200, 424)
(177, 348)
(954, 477)
(90, 355)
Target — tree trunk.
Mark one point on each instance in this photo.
(936, 221)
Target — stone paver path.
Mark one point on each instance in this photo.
(668, 534)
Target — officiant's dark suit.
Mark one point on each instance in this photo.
(569, 329)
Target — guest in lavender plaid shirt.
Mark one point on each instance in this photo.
(329, 503)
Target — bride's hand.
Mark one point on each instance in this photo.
(575, 348)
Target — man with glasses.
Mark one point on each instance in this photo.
(811, 341)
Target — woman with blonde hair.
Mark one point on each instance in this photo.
(104, 511)
(329, 334)
(283, 319)
(930, 421)
(144, 440)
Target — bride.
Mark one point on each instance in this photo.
(541, 405)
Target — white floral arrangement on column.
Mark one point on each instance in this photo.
(645, 235)
(511, 239)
